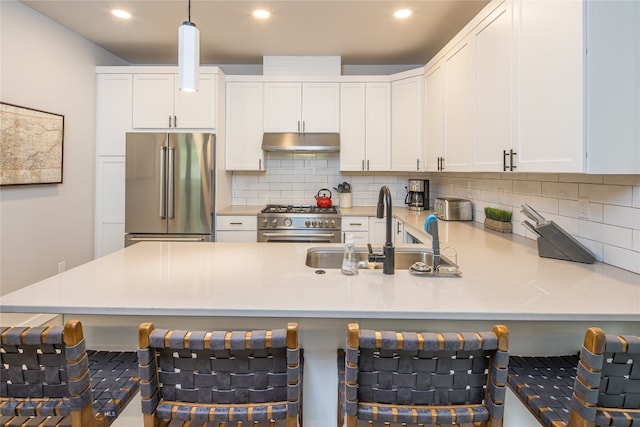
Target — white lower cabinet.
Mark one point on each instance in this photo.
(110, 185)
(358, 226)
(237, 228)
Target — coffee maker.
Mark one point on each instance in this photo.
(417, 194)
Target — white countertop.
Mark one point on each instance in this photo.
(504, 279)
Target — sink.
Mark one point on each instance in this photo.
(331, 257)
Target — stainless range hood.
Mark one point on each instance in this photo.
(306, 142)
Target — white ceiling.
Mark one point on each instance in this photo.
(362, 32)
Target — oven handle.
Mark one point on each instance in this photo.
(298, 235)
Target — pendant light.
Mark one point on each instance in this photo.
(188, 55)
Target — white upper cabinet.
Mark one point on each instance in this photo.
(551, 86)
(365, 126)
(244, 126)
(159, 104)
(434, 118)
(613, 87)
(459, 119)
(406, 124)
(113, 113)
(301, 107)
(579, 86)
(494, 92)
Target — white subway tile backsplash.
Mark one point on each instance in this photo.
(527, 187)
(636, 197)
(608, 194)
(560, 190)
(581, 178)
(623, 258)
(622, 179)
(608, 234)
(622, 216)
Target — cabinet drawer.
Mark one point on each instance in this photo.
(235, 222)
(355, 223)
(237, 236)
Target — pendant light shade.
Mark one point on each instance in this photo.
(188, 55)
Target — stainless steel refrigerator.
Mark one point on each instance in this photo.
(169, 194)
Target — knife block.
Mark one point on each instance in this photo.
(556, 243)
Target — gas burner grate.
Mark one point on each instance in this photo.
(299, 209)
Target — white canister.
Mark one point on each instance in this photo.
(345, 200)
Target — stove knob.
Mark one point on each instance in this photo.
(287, 222)
(333, 223)
(265, 222)
(314, 223)
(307, 223)
(326, 223)
(274, 222)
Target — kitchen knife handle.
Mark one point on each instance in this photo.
(171, 193)
(163, 182)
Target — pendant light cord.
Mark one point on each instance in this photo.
(189, 10)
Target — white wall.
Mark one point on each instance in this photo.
(611, 228)
(47, 67)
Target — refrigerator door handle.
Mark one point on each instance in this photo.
(170, 192)
(163, 182)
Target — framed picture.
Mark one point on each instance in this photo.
(30, 146)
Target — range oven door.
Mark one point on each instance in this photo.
(299, 236)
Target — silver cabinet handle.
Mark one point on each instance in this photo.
(368, 164)
(259, 164)
(171, 194)
(298, 126)
(298, 235)
(167, 239)
(417, 164)
(163, 182)
(175, 121)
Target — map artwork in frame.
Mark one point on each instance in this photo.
(30, 146)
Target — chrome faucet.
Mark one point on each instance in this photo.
(431, 227)
(388, 252)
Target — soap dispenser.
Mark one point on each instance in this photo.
(349, 265)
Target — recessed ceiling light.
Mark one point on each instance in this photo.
(402, 13)
(122, 14)
(261, 14)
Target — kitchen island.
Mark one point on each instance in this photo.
(547, 304)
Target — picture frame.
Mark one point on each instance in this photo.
(31, 146)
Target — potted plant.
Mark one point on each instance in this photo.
(345, 198)
(497, 220)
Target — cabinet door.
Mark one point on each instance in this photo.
(378, 126)
(378, 230)
(110, 207)
(434, 117)
(196, 109)
(153, 101)
(494, 94)
(113, 113)
(398, 231)
(551, 86)
(320, 107)
(282, 107)
(244, 126)
(406, 124)
(459, 111)
(352, 127)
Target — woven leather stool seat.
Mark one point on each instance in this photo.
(600, 387)
(48, 378)
(220, 378)
(419, 378)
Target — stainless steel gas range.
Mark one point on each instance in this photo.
(299, 223)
